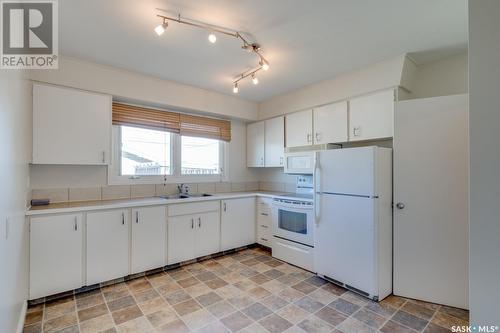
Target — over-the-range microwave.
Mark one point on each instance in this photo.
(301, 163)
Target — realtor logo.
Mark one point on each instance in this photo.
(29, 34)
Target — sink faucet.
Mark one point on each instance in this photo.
(183, 189)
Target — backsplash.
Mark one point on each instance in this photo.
(150, 190)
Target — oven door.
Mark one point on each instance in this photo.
(293, 223)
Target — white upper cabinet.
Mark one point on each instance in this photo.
(56, 254)
(274, 142)
(148, 238)
(255, 144)
(372, 116)
(298, 129)
(330, 123)
(107, 245)
(70, 126)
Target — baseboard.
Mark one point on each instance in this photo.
(22, 316)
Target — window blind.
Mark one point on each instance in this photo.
(136, 116)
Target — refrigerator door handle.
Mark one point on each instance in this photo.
(317, 188)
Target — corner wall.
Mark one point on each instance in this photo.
(15, 148)
(484, 133)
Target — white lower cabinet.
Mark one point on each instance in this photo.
(107, 245)
(264, 222)
(148, 238)
(56, 254)
(237, 223)
(195, 234)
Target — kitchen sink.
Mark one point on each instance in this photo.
(185, 196)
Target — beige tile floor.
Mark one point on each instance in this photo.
(248, 291)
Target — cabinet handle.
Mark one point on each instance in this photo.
(281, 160)
(356, 131)
(317, 137)
(225, 207)
(199, 222)
(123, 218)
(192, 223)
(264, 226)
(264, 239)
(76, 223)
(265, 214)
(137, 216)
(309, 137)
(103, 156)
(262, 161)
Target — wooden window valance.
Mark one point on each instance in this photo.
(199, 126)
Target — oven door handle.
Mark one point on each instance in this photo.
(317, 188)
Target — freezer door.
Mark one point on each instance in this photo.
(345, 248)
(347, 171)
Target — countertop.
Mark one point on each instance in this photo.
(82, 206)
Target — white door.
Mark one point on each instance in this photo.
(330, 123)
(207, 234)
(275, 142)
(346, 171)
(70, 126)
(431, 181)
(180, 240)
(345, 241)
(372, 116)
(237, 223)
(148, 238)
(56, 252)
(107, 245)
(298, 129)
(255, 144)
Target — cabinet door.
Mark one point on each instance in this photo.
(255, 144)
(372, 117)
(207, 235)
(148, 238)
(274, 142)
(330, 123)
(180, 240)
(107, 245)
(70, 126)
(56, 264)
(298, 129)
(237, 223)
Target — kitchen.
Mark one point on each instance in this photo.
(251, 190)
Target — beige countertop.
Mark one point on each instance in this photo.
(81, 206)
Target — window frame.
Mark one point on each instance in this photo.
(115, 178)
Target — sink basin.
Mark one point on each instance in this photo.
(185, 196)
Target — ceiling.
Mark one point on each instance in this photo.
(304, 41)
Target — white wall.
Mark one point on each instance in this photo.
(386, 74)
(484, 122)
(135, 87)
(15, 148)
(446, 76)
(61, 176)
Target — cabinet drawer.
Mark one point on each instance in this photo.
(266, 241)
(193, 208)
(264, 231)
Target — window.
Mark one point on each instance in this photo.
(199, 156)
(144, 152)
(147, 156)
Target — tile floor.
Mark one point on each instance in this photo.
(246, 292)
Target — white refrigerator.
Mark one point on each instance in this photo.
(353, 219)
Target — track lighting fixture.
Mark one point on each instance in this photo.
(251, 47)
(212, 38)
(160, 29)
(255, 80)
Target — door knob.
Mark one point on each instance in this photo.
(400, 205)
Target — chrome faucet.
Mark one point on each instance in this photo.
(183, 189)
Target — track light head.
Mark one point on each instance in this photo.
(264, 64)
(160, 29)
(255, 80)
(235, 88)
(212, 38)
